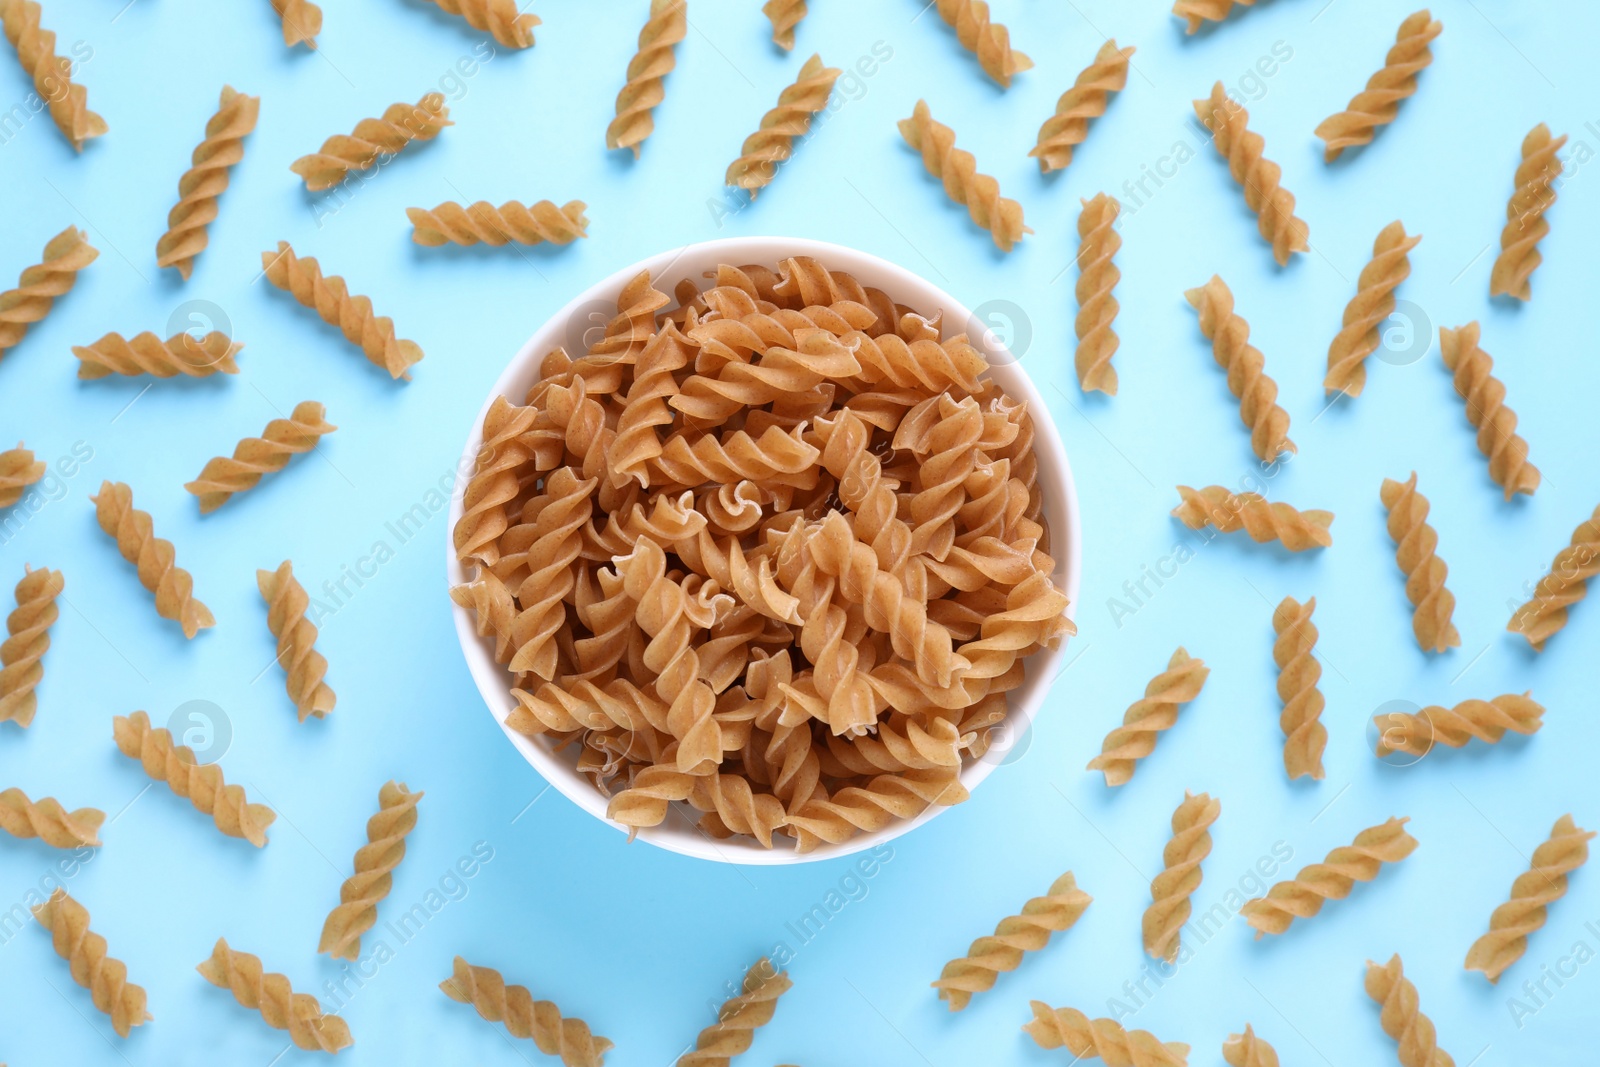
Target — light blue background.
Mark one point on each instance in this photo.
(637, 941)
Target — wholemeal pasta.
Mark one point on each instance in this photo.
(302, 277)
(1085, 100)
(152, 556)
(202, 184)
(1304, 736)
(1263, 520)
(1148, 716)
(539, 1020)
(27, 640)
(1483, 720)
(36, 51)
(1104, 1039)
(302, 21)
(1379, 103)
(270, 994)
(1374, 302)
(145, 353)
(1171, 889)
(644, 87)
(1302, 896)
(304, 667)
(1245, 366)
(375, 862)
(372, 139)
(740, 1016)
(48, 821)
(984, 38)
(1098, 242)
(773, 143)
(504, 20)
(484, 223)
(1401, 1016)
(202, 783)
(1545, 880)
(1485, 396)
(1415, 545)
(1259, 177)
(18, 470)
(41, 285)
(1027, 931)
(253, 457)
(84, 950)
(1534, 193)
(1564, 585)
(784, 15)
(1248, 1050)
(958, 170)
(1198, 12)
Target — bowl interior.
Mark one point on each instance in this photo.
(591, 309)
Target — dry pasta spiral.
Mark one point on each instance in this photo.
(1545, 880)
(47, 820)
(1485, 396)
(42, 284)
(18, 470)
(764, 150)
(1248, 1050)
(372, 139)
(1562, 587)
(145, 353)
(1401, 1016)
(375, 862)
(302, 277)
(739, 1018)
(1303, 896)
(1415, 543)
(1373, 303)
(988, 40)
(1171, 889)
(1104, 1039)
(494, 484)
(1229, 335)
(501, 19)
(203, 183)
(27, 640)
(486, 990)
(255, 456)
(84, 950)
(1148, 716)
(784, 15)
(1097, 308)
(554, 546)
(36, 51)
(1086, 100)
(202, 784)
(1379, 103)
(1304, 736)
(958, 170)
(647, 72)
(296, 635)
(153, 556)
(270, 994)
(1483, 720)
(1028, 931)
(1199, 12)
(1263, 520)
(483, 223)
(1259, 177)
(1525, 224)
(302, 21)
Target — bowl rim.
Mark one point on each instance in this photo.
(904, 286)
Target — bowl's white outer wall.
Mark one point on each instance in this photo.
(1055, 477)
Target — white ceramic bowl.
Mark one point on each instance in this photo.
(593, 307)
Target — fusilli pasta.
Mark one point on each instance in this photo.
(302, 277)
(647, 71)
(296, 635)
(504, 20)
(1304, 736)
(1171, 889)
(784, 15)
(1358, 338)
(988, 40)
(1303, 896)
(740, 1017)
(1401, 1016)
(375, 861)
(1545, 880)
(47, 820)
(1248, 1050)
(1251, 512)
(1525, 227)
(36, 51)
(145, 353)
(772, 144)
(1258, 176)
(400, 125)
(255, 456)
(203, 183)
(41, 285)
(201, 783)
(270, 994)
(483, 223)
(1485, 396)
(1379, 103)
(1098, 242)
(1562, 587)
(1086, 100)
(1415, 543)
(1229, 335)
(1104, 1039)
(153, 556)
(84, 950)
(958, 170)
(1484, 720)
(27, 640)
(1148, 716)
(1027, 931)
(540, 1020)
(18, 470)
(302, 21)
(1199, 12)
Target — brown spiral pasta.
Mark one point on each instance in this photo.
(36, 51)
(1097, 308)
(84, 950)
(1379, 103)
(503, 20)
(152, 556)
(647, 70)
(784, 15)
(1304, 736)
(27, 640)
(302, 21)
(739, 1018)
(1545, 880)
(203, 183)
(988, 40)
(253, 457)
(41, 285)
(1401, 1016)
(1148, 716)
(270, 994)
(958, 170)
(145, 353)
(1085, 100)
(1303, 896)
(18, 470)
(1104, 1039)
(483, 223)
(1373, 303)
(1485, 396)
(772, 144)
(202, 784)
(303, 666)
(302, 277)
(1248, 1050)
(375, 862)
(1484, 720)
(1415, 544)
(1263, 520)
(540, 1020)
(1028, 931)
(1199, 12)
(1259, 177)
(1525, 224)
(400, 125)
(1562, 587)
(1171, 889)
(1229, 335)
(48, 821)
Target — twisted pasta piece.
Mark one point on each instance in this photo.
(483, 223)
(784, 15)
(1148, 716)
(647, 71)
(1372, 304)
(202, 184)
(65, 254)
(869, 808)
(84, 950)
(1198, 12)
(152, 556)
(1102, 1038)
(302, 21)
(1252, 513)
(303, 665)
(1545, 880)
(1485, 720)
(145, 353)
(1304, 736)
(400, 125)
(18, 470)
(498, 18)
(1086, 100)
(739, 1018)
(494, 484)
(1415, 542)
(989, 41)
(1303, 896)
(486, 990)
(357, 910)
(47, 820)
(773, 142)
(1015, 935)
(328, 295)
(1485, 396)
(36, 51)
(201, 783)
(27, 640)
(255, 456)
(1525, 225)
(1171, 889)
(556, 541)
(637, 441)
(1248, 1050)
(1401, 1016)
(1562, 587)
(1260, 177)
(1229, 335)
(270, 994)
(774, 456)
(1098, 242)
(958, 170)
(1379, 103)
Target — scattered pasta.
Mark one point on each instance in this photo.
(255, 456)
(181, 354)
(1101, 1038)
(1415, 543)
(84, 950)
(989, 41)
(41, 285)
(1148, 716)
(1251, 512)
(47, 820)
(772, 144)
(1086, 100)
(1562, 587)
(1015, 935)
(1098, 243)
(18, 470)
(1401, 1016)
(153, 556)
(1171, 889)
(27, 640)
(270, 994)
(201, 783)
(739, 1018)
(1379, 103)
(513, 1005)
(1259, 177)
(1304, 736)
(303, 665)
(1544, 881)
(1199, 12)
(36, 51)
(647, 71)
(483, 223)
(1358, 338)
(958, 170)
(1248, 1050)
(375, 862)
(372, 139)
(302, 277)
(1303, 896)
(784, 15)
(1483, 720)
(503, 20)
(202, 184)
(1525, 225)
(1229, 335)
(302, 21)
(1485, 396)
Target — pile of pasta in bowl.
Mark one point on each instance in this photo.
(774, 549)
